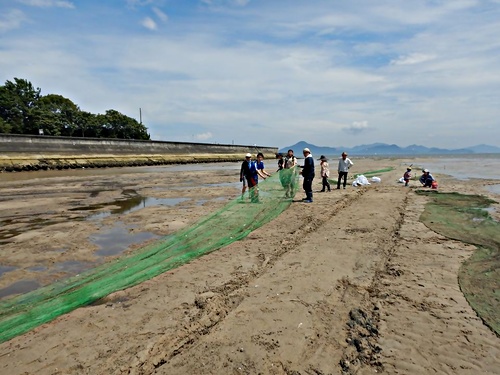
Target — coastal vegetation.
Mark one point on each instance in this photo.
(24, 110)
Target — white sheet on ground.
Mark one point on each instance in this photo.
(360, 181)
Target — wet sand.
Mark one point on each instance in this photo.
(353, 283)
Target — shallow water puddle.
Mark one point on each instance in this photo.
(126, 206)
(5, 269)
(117, 239)
(19, 287)
(111, 240)
(23, 224)
(494, 188)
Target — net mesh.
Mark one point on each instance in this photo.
(465, 218)
(231, 223)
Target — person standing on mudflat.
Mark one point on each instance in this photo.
(287, 175)
(308, 175)
(325, 173)
(344, 164)
(244, 172)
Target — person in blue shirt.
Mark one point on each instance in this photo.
(260, 166)
(308, 175)
(251, 170)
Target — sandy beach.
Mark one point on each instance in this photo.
(353, 283)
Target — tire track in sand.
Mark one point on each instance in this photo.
(295, 318)
(212, 306)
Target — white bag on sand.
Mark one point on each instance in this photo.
(360, 181)
(375, 179)
(401, 180)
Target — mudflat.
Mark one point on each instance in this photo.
(353, 283)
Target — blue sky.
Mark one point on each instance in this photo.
(269, 72)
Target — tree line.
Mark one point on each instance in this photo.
(24, 110)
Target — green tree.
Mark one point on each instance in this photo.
(86, 125)
(114, 124)
(23, 110)
(4, 126)
(18, 101)
(57, 115)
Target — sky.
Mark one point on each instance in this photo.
(269, 72)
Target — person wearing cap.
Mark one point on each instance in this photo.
(407, 176)
(308, 175)
(344, 164)
(325, 173)
(426, 179)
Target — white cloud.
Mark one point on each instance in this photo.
(12, 19)
(255, 75)
(48, 3)
(161, 15)
(412, 58)
(149, 23)
(357, 127)
(203, 136)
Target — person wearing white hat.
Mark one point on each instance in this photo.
(426, 179)
(308, 175)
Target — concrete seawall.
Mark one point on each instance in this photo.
(25, 153)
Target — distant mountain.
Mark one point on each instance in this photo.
(315, 150)
(484, 149)
(385, 149)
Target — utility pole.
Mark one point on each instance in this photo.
(140, 116)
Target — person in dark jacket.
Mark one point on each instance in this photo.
(308, 175)
(426, 179)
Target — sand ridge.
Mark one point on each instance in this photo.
(351, 284)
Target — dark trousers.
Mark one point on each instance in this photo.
(326, 184)
(307, 186)
(344, 176)
(253, 189)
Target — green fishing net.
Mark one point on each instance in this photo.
(231, 223)
(465, 218)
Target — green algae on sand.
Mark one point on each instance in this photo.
(464, 218)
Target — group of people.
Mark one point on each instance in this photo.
(426, 179)
(251, 170)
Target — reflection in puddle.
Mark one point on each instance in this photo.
(129, 205)
(37, 269)
(19, 287)
(110, 240)
(73, 267)
(117, 239)
(495, 189)
(5, 269)
(28, 224)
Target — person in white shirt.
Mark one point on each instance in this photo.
(344, 164)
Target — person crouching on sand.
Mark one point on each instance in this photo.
(426, 179)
